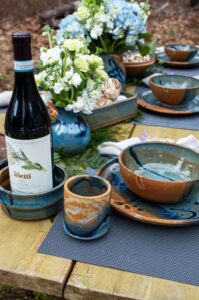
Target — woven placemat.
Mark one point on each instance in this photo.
(164, 252)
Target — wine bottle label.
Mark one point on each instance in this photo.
(23, 66)
(30, 165)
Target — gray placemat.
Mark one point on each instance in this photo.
(164, 252)
(147, 117)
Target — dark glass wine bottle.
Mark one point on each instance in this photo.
(27, 126)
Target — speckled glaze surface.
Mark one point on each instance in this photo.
(32, 207)
(114, 66)
(159, 172)
(148, 100)
(179, 52)
(86, 207)
(191, 63)
(134, 69)
(3, 154)
(129, 204)
(71, 134)
(174, 90)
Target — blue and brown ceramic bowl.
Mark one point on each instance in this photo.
(86, 206)
(174, 90)
(179, 52)
(159, 172)
(32, 207)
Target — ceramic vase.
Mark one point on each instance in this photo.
(114, 66)
(71, 134)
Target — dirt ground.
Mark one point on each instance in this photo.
(174, 23)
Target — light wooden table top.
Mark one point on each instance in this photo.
(22, 266)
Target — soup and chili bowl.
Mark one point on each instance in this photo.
(174, 90)
(159, 172)
(180, 52)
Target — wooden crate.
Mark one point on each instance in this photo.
(113, 113)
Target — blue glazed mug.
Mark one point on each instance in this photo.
(87, 206)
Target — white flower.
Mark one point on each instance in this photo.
(76, 80)
(95, 60)
(73, 44)
(68, 62)
(50, 56)
(68, 75)
(46, 96)
(58, 87)
(101, 17)
(90, 84)
(88, 24)
(51, 78)
(40, 77)
(110, 25)
(82, 13)
(96, 32)
(77, 106)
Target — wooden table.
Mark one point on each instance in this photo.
(22, 266)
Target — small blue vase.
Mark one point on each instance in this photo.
(114, 67)
(71, 135)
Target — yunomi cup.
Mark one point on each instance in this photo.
(180, 52)
(174, 90)
(87, 206)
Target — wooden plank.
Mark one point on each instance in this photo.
(94, 282)
(21, 265)
(163, 133)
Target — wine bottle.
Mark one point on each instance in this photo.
(27, 126)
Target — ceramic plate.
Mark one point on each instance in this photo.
(194, 62)
(3, 155)
(127, 203)
(148, 101)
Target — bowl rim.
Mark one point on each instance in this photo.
(9, 192)
(137, 64)
(151, 83)
(121, 163)
(167, 46)
(107, 184)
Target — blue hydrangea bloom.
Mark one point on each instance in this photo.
(70, 27)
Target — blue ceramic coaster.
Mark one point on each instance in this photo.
(99, 232)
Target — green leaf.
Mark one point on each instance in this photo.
(143, 48)
(99, 50)
(27, 167)
(145, 35)
(153, 46)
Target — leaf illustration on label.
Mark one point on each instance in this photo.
(20, 157)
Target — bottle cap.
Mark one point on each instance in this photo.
(22, 46)
(21, 37)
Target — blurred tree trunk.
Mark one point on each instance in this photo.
(194, 2)
(17, 9)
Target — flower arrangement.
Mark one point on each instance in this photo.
(71, 75)
(108, 26)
